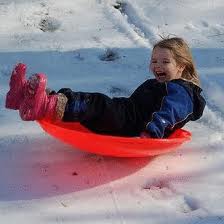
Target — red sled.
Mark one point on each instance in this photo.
(78, 136)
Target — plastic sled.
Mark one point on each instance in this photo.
(80, 137)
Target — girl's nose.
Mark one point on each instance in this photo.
(157, 65)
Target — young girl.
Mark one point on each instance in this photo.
(157, 107)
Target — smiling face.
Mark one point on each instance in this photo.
(164, 66)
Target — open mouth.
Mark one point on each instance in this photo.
(161, 74)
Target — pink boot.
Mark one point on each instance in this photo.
(37, 104)
(17, 82)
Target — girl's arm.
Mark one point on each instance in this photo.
(176, 107)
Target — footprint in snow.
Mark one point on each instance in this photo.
(189, 204)
(121, 6)
(109, 55)
(205, 23)
(162, 190)
(78, 56)
(49, 24)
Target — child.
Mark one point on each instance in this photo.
(157, 107)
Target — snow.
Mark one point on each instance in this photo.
(45, 181)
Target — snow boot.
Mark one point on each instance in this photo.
(15, 95)
(38, 105)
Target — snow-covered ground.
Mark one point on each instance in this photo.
(45, 181)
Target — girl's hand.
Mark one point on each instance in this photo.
(145, 134)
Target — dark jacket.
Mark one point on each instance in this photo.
(158, 108)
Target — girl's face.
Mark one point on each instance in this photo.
(164, 66)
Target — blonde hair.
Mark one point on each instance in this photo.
(182, 54)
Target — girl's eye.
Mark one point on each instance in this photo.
(166, 62)
(154, 61)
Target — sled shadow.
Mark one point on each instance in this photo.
(44, 167)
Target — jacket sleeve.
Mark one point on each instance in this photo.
(176, 106)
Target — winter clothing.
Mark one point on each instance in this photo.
(17, 82)
(158, 108)
(37, 104)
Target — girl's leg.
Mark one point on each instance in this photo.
(100, 113)
(37, 104)
(17, 82)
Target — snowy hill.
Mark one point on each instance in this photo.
(105, 45)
